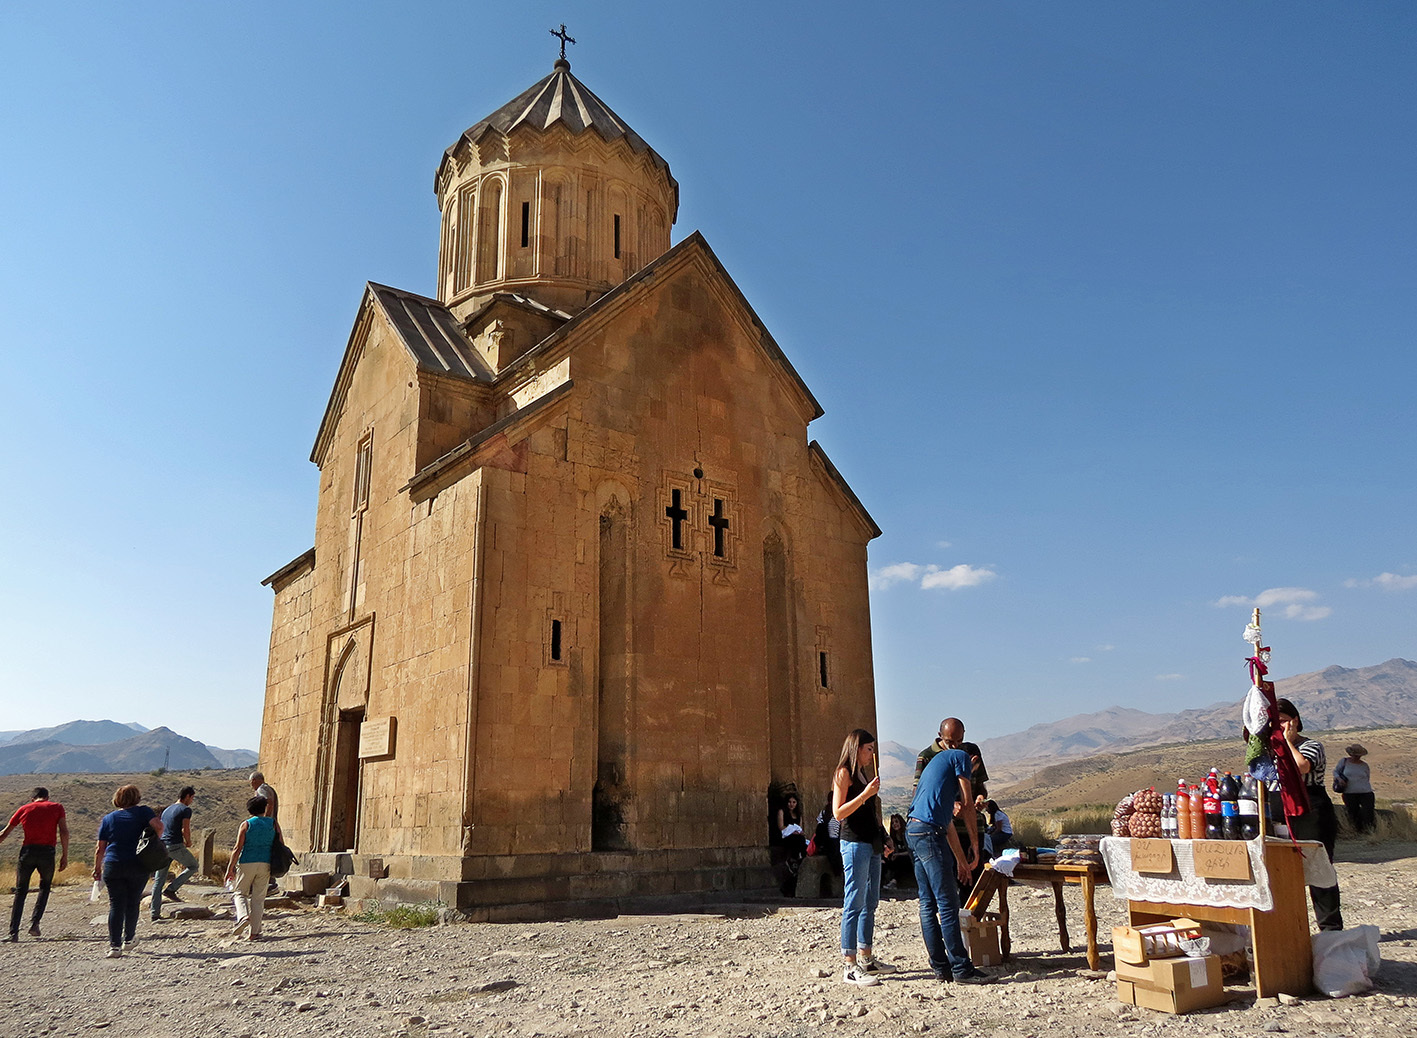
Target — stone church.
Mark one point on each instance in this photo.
(582, 588)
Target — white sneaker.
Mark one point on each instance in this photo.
(241, 926)
(113, 953)
(130, 945)
(854, 974)
(871, 964)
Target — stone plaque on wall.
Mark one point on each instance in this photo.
(376, 738)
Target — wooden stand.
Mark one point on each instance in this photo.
(1085, 876)
(1283, 954)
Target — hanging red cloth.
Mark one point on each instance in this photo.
(1291, 782)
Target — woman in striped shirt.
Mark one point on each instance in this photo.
(1320, 822)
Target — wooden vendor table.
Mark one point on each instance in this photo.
(1085, 876)
(1279, 937)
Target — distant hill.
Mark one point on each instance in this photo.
(220, 804)
(107, 746)
(1332, 699)
(76, 733)
(897, 763)
(1104, 779)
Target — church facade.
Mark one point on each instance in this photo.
(582, 587)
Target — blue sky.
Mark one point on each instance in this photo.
(1110, 307)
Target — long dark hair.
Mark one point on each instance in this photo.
(1288, 709)
(851, 749)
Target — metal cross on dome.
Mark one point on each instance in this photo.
(561, 35)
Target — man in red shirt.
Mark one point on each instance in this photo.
(44, 825)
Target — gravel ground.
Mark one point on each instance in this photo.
(758, 971)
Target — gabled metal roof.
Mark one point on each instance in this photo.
(431, 334)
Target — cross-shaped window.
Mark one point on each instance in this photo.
(719, 522)
(677, 515)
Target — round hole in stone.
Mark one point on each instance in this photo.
(698, 473)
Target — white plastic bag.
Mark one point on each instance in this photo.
(97, 891)
(1345, 960)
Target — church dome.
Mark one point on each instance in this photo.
(553, 196)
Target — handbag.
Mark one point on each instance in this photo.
(812, 847)
(152, 855)
(282, 858)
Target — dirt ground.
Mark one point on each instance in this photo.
(766, 970)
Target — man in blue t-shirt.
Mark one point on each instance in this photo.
(939, 857)
(177, 840)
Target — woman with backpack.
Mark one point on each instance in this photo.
(250, 867)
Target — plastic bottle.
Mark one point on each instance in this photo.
(1248, 805)
(1211, 806)
(1230, 807)
(1183, 811)
(1197, 814)
(1229, 821)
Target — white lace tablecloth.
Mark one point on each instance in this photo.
(1182, 886)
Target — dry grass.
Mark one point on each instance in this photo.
(1397, 824)
(79, 872)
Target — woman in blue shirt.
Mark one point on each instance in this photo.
(115, 861)
(250, 866)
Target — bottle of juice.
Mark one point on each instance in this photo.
(1197, 814)
(1210, 804)
(1183, 811)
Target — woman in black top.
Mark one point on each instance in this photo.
(855, 802)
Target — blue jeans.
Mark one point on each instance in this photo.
(125, 882)
(939, 898)
(861, 879)
(179, 853)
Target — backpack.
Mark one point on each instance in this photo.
(282, 858)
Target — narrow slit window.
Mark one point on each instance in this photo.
(555, 639)
(617, 235)
(363, 465)
(526, 224)
(822, 669)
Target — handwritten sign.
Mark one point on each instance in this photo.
(376, 738)
(1222, 859)
(1152, 856)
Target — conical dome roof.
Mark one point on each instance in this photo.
(561, 98)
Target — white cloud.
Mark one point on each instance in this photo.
(1386, 581)
(1106, 648)
(956, 577)
(1169, 677)
(932, 576)
(943, 544)
(1297, 602)
(1284, 596)
(896, 573)
(1080, 659)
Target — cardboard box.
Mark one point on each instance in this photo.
(1138, 945)
(1172, 985)
(981, 937)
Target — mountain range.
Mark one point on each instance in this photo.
(1331, 699)
(108, 746)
